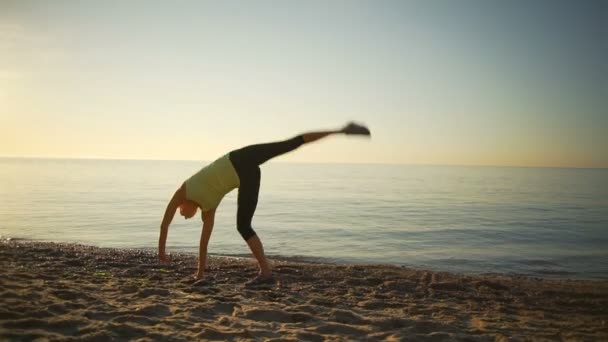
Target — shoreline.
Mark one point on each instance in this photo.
(545, 275)
(74, 292)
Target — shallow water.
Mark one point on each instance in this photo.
(534, 221)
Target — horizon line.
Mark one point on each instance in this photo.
(93, 158)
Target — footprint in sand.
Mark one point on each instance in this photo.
(427, 327)
(70, 295)
(340, 329)
(276, 315)
(101, 315)
(212, 308)
(125, 331)
(57, 309)
(309, 336)
(217, 335)
(391, 323)
(138, 320)
(59, 325)
(147, 292)
(128, 289)
(154, 310)
(345, 316)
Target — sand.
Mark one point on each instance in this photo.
(81, 293)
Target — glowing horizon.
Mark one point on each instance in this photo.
(442, 83)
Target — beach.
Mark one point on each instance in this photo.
(71, 292)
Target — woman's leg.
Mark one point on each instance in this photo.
(314, 136)
(247, 203)
(246, 162)
(256, 247)
(260, 153)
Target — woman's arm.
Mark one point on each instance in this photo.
(208, 221)
(174, 203)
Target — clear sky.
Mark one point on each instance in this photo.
(519, 82)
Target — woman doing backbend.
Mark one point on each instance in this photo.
(237, 169)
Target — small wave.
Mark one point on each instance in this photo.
(4, 238)
(537, 262)
(555, 272)
(292, 258)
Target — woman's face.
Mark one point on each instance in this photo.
(188, 209)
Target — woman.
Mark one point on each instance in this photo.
(237, 169)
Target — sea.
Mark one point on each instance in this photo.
(540, 222)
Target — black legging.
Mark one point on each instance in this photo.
(246, 162)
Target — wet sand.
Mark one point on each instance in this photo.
(82, 293)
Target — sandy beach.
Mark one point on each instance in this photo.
(72, 292)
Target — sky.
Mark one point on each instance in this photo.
(469, 82)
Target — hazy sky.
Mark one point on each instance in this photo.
(438, 82)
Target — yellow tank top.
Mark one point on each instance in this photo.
(208, 186)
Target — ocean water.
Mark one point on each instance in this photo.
(534, 221)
